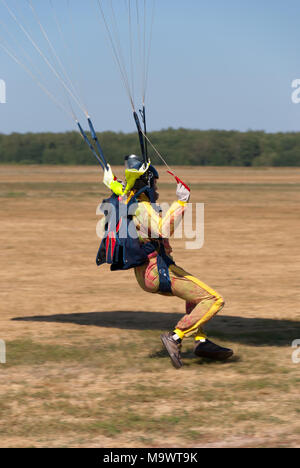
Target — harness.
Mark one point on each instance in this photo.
(120, 246)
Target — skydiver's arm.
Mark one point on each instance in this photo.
(111, 181)
(152, 225)
(174, 215)
(172, 218)
(147, 221)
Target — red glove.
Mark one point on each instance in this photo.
(183, 191)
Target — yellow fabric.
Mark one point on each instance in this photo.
(132, 175)
(129, 197)
(147, 218)
(202, 302)
(200, 337)
(197, 281)
(216, 306)
(179, 333)
(116, 187)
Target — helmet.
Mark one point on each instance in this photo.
(139, 174)
(134, 170)
(133, 162)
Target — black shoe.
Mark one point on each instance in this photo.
(173, 348)
(208, 349)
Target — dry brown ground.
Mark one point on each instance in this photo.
(85, 367)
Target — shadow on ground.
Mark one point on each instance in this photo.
(250, 331)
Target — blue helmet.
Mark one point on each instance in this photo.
(133, 162)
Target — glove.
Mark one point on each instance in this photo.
(183, 193)
(111, 181)
(108, 178)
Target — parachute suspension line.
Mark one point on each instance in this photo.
(118, 55)
(35, 76)
(122, 71)
(57, 58)
(41, 53)
(71, 107)
(114, 38)
(144, 53)
(157, 152)
(131, 47)
(67, 47)
(64, 41)
(101, 160)
(139, 42)
(147, 59)
(143, 142)
(24, 53)
(119, 49)
(45, 90)
(145, 75)
(53, 51)
(70, 88)
(75, 64)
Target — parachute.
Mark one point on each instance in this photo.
(131, 47)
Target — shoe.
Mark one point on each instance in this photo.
(208, 349)
(173, 349)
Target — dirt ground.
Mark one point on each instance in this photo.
(84, 362)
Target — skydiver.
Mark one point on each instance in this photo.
(158, 274)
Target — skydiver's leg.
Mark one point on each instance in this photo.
(147, 276)
(202, 302)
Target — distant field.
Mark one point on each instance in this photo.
(85, 366)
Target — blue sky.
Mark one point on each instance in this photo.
(214, 64)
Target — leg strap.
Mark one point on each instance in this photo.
(163, 264)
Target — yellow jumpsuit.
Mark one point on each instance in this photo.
(202, 302)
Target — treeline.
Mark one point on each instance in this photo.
(179, 147)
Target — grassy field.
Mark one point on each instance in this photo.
(85, 366)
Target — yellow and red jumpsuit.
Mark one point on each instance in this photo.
(202, 302)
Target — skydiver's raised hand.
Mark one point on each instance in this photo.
(108, 177)
(111, 181)
(183, 192)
